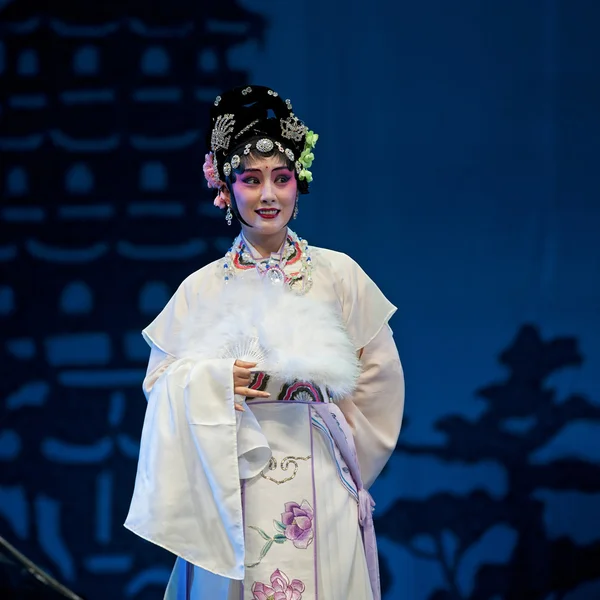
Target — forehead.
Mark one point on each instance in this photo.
(263, 162)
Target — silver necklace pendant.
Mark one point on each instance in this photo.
(276, 275)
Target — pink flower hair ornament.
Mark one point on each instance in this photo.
(213, 181)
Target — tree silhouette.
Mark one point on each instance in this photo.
(538, 565)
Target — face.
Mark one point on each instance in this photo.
(265, 193)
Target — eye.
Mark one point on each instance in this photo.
(250, 180)
(282, 179)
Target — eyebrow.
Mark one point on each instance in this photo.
(259, 171)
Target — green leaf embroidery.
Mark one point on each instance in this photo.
(265, 549)
(279, 538)
(279, 526)
(265, 536)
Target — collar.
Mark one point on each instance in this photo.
(273, 256)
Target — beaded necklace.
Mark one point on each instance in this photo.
(295, 249)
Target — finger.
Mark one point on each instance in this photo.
(245, 364)
(250, 393)
(241, 382)
(239, 372)
(239, 407)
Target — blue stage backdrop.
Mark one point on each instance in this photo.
(458, 163)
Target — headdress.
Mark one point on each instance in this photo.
(255, 117)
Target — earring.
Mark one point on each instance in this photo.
(295, 215)
(228, 215)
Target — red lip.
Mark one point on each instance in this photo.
(267, 215)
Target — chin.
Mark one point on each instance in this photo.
(271, 227)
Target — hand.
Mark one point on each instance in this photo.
(241, 380)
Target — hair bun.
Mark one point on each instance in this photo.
(246, 112)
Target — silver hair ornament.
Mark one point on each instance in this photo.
(264, 145)
(249, 126)
(293, 128)
(221, 133)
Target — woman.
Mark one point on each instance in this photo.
(275, 391)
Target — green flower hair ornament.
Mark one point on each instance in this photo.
(307, 157)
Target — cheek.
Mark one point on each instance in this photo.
(290, 191)
(242, 196)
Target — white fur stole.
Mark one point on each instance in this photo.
(291, 337)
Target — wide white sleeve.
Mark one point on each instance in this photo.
(158, 363)
(374, 411)
(194, 450)
(163, 335)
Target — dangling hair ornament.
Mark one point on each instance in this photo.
(213, 181)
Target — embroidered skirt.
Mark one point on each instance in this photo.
(301, 513)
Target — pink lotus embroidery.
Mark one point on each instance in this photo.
(280, 588)
(298, 521)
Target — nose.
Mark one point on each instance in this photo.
(267, 193)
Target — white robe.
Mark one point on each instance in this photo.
(195, 448)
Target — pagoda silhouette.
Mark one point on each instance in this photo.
(104, 212)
